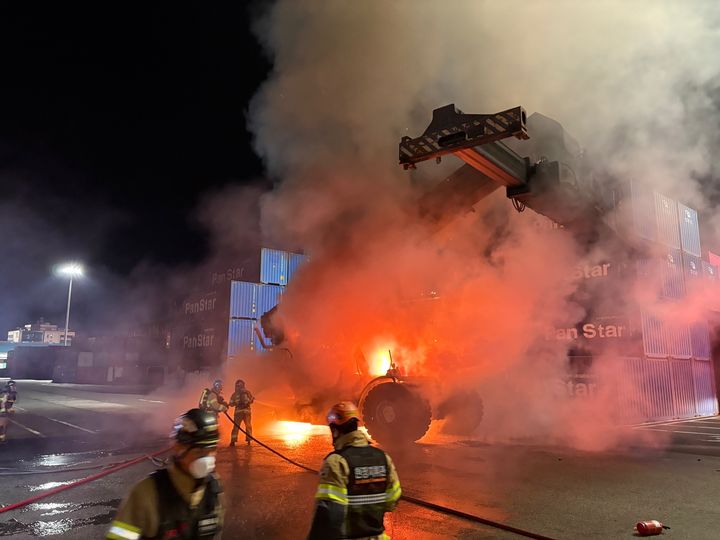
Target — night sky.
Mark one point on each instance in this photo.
(113, 126)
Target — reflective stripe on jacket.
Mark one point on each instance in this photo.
(351, 503)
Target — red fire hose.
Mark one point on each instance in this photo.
(82, 481)
(413, 500)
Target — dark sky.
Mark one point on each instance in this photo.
(113, 124)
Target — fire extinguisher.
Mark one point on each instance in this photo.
(650, 527)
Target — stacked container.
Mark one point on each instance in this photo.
(674, 377)
(250, 301)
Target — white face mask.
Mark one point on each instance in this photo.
(202, 467)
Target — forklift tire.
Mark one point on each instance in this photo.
(394, 413)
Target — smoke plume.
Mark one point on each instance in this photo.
(634, 82)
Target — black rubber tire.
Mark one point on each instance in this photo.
(395, 413)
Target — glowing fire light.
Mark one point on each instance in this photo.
(296, 433)
(379, 361)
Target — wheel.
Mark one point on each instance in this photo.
(395, 413)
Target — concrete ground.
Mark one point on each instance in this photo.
(60, 430)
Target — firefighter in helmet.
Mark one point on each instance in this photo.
(241, 399)
(212, 400)
(358, 483)
(182, 500)
(8, 396)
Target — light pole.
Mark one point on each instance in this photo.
(71, 270)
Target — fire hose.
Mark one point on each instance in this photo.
(82, 481)
(413, 500)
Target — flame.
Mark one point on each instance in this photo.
(379, 361)
(295, 434)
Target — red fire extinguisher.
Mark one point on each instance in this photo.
(650, 527)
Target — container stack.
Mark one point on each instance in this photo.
(221, 319)
(250, 301)
(673, 375)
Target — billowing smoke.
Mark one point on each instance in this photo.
(634, 82)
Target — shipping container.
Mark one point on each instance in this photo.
(295, 261)
(653, 336)
(710, 272)
(243, 300)
(683, 389)
(657, 389)
(34, 361)
(666, 214)
(704, 382)
(241, 337)
(268, 296)
(631, 408)
(205, 305)
(199, 345)
(677, 339)
(263, 343)
(700, 338)
(273, 266)
(643, 212)
(91, 375)
(689, 230)
(711, 292)
(692, 269)
(673, 283)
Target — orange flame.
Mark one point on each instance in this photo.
(379, 361)
(296, 433)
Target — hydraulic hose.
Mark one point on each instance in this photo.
(413, 500)
(82, 481)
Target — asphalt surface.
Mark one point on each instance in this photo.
(59, 431)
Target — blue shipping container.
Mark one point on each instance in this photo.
(657, 387)
(677, 338)
(700, 338)
(683, 391)
(666, 214)
(241, 337)
(243, 300)
(692, 267)
(704, 388)
(295, 261)
(673, 281)
(273, 266)
(653, 336)
(268, 297)
(689, 230)
(643, 212)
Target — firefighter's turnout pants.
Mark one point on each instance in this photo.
(241, 415)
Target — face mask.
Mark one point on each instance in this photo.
(202, 467)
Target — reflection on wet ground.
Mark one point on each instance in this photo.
(38, 528)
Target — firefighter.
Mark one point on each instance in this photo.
(241, 400)
(212, 400)
(8, 396)
(182, 500)
(358, 483)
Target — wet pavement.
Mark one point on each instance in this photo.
(556, 492)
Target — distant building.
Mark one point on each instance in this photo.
(40, 332)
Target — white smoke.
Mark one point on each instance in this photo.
(634, 82)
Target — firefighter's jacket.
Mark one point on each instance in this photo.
(7, 400)
(212, 402)
(170, 504)
(358, 484)
(241, 400)
(6, 404)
